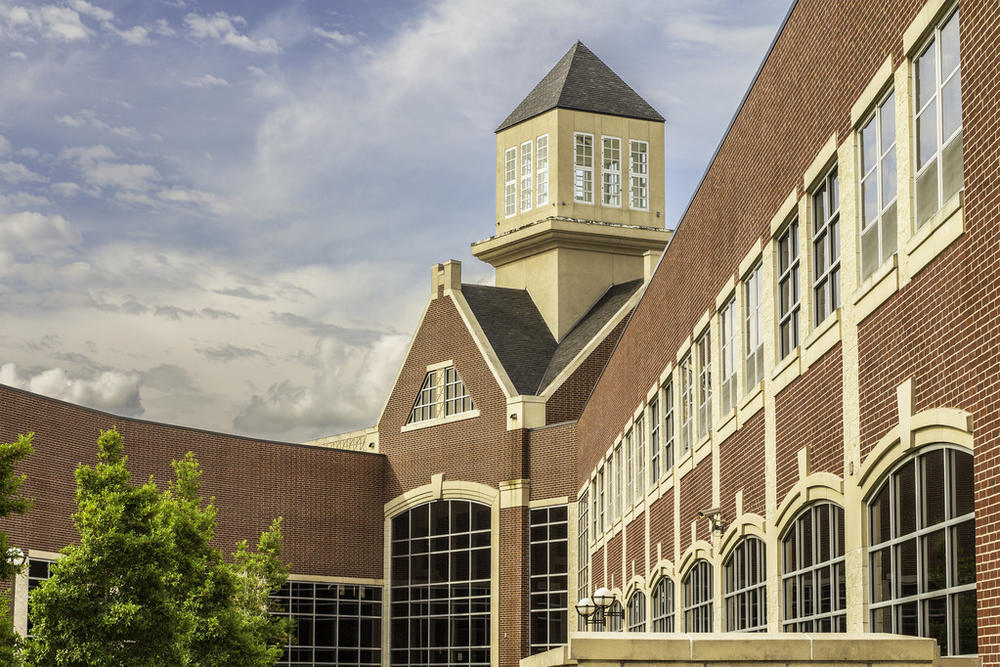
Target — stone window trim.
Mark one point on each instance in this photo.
(826, 241)
(443, 398)
(877, 185)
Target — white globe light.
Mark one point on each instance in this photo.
(603, 597)
(585, 607)
(15, 557)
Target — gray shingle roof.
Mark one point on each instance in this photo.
(522, 340)
(582, 82)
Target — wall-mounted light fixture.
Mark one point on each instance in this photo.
(599, 607)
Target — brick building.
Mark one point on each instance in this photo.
(790, 425)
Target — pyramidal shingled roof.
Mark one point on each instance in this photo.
(582, 82)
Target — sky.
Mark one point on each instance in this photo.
(223, 214)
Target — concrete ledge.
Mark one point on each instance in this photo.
(745, 649)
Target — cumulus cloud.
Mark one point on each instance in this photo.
(350, 336)
(46, 21)
(22, 200)
(113, 391)
(221, 27)
(15, 172)
(5, 147)
(34, 234)
(198, 198)
(121, 175)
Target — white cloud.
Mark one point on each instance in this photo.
(126, 132)
(162, 28)
(206, 200)
(83, 155)
(22, 200)
(18, 55)
(135, 36)
(221, 27)
(85, 7)
(5, 147)
(136, 177)
(47, 21)
(337, 37)
(35, 234)
(15, 172)
(205, 81)
(113, 391)
(66, 189)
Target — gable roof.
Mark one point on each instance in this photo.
(521, 339)
(581, 81)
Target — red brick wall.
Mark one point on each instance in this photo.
(569, 399)
(695, 494)
(635, 547)
(597, 570)
(810, 411)
(513, 614)
(553, 461)
(331, 500)
(741, 466)
(661, 527)
(614, 548)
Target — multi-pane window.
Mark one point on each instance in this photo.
(938, 119)
(440, 583)
(335, 624)
(619, 480)
(639, 174)
(542, 170)
(635, 612)
(614, 619)
(826, 248)
(922, 561)
(662, 603)
(812, 579)
(629, 468)
(727, 360)
(526, 173)
(38, 571)
(425, 407)
(698, 598)
(510, 182)
(456, 397)
(668, 426)
(654, 441)
(878, 186)
(639, 439)
(601, 505)
(746, 583)
(704, 384)
(788, 289)
(583, 168)
(686, 378)
(582, 555)
(611, 171)
(612, 483)
(753, 347)
(549, 577)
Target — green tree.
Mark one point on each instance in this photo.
(11, 502)
(145, 586)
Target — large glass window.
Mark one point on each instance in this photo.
(335, 624)
(527, 196)
(727, 335)
(583, 168)
(611, 171)
(639, 174)
(456, 397)
(542, 166)
(636, 612)
(788, 289)
(440, 583)
(654, 440)
(698, 598)
(614, 619)
(877, 154)
(704, 384)
(812, 577)
(938, 120)
(662, 603)
(826, 247)
(686, 374)
(583, 556)
(667, 394)
(510, 182)
(629, 468)
(746, 584)
(602, 504)
(639, 439)
(549, 577)
(922, 562)
(619, 480)
(753, 347)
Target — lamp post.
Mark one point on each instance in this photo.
(597, 608)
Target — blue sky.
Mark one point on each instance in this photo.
(223, 214)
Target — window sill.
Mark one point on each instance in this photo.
(751, 403)
(437, 421)
(787, 370)
(727, 426)
(936, 235)
(876, 289)
(821, 339)
(684, 465)
(702, 449)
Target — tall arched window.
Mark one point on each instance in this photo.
(746, 583)
(614, 619)
(662, 603)
(636, 612)
(812, 579)
(922, 551)
(698, 598)
(441, 585)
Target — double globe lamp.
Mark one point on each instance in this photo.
(597, 608)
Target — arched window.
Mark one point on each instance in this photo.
(746, 595)
(636, 610)
(812, 579)
(614, 619)
(440, 582)
(922, 551)
(662, 603)
(698, 598)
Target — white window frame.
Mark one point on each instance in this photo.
(639, 442)
(425, 407)
(685, 378)
(753, 333)
(787, 247)
(667, 411)
(602, 506)
(653, 412)
(638, 175)
(583, 168)
(542, 170)
(583, 554)
(457, 400)
(611, 171)
(745, 580)
(728, 355)
(704, 347)
(510, 182)
(883, 222)
(698, 596)
(619, 480)
(527, 171)
(825, 201)
(629, 445)
(804, 570)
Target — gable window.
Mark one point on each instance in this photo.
(639, 439)
(456, 397)
(704, 385)
(510, 182)
(753, 292)
(746, 595)
(542, 167)
(639, 174)
(611, 170)
(425, 406)
(662, 603)
(938, 120)
(636, 610)
(687, 402)
(654, 441)
(813, 581)
(727, 362)
(826, 247)
(877, 153)
(668, 426)
(526, 172)
(788, 290)
(583, 168)
(921, 557)
(442, 394)
(698, 598)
